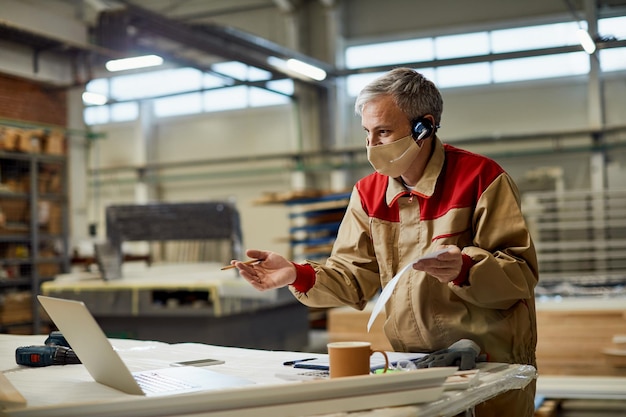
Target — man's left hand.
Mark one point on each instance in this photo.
(445, 267)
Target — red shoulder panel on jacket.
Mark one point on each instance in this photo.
(470, 173)
(372, 190)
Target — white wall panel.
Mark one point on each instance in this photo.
(256, 131)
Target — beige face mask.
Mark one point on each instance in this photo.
(395, 158)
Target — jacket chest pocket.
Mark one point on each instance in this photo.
(385, 241)
(453, 228)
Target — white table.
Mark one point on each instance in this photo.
(70, 390)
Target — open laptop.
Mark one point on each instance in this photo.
(106, 366)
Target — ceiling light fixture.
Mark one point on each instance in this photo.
(94, 98)
(297, 68)
(133, 63)
(586, 42)
(305, 69)
(585, 39)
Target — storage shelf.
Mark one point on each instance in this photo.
(14, 282)
(317, 200)
(314, 222)
(314, 241)
(27, 156)
(14, 238)
(6, 194)
(580, 236)
(34, 232)
(332, 227)
(318, 212)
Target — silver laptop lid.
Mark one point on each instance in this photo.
(90, 343)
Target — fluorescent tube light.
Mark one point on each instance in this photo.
(133, 63)
(94, 98)
(586, 42)
(305, 69)
(297, 68)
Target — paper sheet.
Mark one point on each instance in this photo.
(388, 290)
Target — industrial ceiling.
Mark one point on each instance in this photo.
(188, 38)
(183, 32)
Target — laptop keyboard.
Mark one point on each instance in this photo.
(152, 383)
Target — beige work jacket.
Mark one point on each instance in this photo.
(462, 199)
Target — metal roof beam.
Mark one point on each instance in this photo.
(224, 42)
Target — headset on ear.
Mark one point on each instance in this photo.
(422, 128)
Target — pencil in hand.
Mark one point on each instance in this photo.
(251, 261)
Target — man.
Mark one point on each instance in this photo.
(426, 196)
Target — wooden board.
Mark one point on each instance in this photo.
(347, 324)
(572, 342)
(9, 395)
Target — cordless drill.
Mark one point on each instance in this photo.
(56, 351)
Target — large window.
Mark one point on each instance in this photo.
(481, 44)
(181, 91)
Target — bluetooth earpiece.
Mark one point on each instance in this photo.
(422, 128)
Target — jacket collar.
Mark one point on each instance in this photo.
(425, 187)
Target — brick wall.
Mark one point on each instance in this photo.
(30, 101)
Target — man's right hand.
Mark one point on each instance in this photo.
(272, 270)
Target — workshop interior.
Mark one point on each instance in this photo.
(144, 144)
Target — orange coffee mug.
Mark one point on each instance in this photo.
(351, 358)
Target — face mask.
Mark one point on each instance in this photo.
(395, 158)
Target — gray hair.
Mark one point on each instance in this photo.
(414, 94)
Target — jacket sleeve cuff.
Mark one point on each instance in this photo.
(305, 278)
(463, 277)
